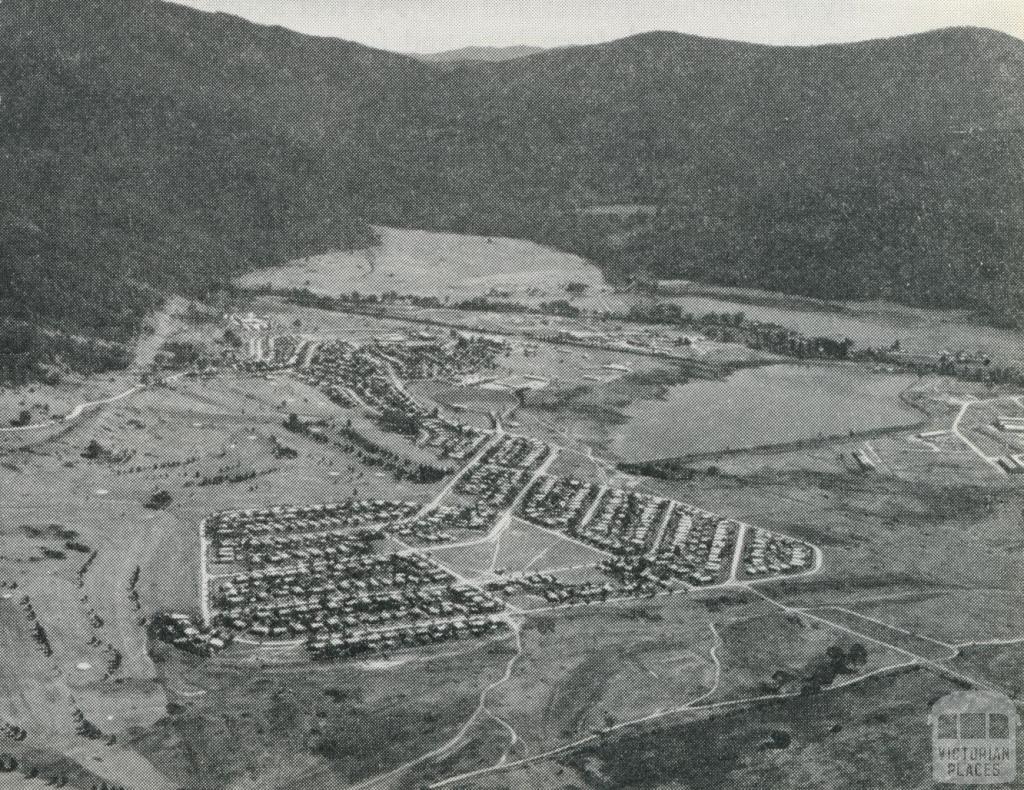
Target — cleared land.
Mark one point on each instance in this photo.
(925, 647)
(434, 264)
(876, 729)
(287, 723)
(877, 324)
(927, 543)
(768, 652)
(593, 668)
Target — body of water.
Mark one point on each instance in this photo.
(763, 406)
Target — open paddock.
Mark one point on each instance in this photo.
(918, 645)
(549, 362)
(299, 724)
(765, 651)
(999, 664)
(434, 264)
(591, 667)
(568, 554)
(580, 465)
(878, 324)
(521, 546)
(898, 454)
(470, 405)
(873, 728)
(952, 616)
(46, 402)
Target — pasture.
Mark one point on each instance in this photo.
(998, 663)
(767, 651)
(925, 647)
(593, 667)
(434, 264)
(954, 616)
(520, 547)
(293, 724)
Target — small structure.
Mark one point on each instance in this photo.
(1011, 464)
(1010, 424)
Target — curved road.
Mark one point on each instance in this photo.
(77, 411)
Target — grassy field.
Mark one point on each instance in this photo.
(598, 666)
(521, 547)
(926, 647)
(525, 547)
(953, 616)
(760, 640)
(898, 453)
(871, 735)
(281, 722)
(442, 264)
(658, 413)
(998, 664)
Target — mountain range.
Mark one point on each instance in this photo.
(149, 148)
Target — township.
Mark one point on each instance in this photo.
(361, 577)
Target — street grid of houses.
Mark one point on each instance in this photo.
(353, 577)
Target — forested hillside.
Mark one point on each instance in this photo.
(149, 147)
(120, 184)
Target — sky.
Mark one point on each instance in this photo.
(436, 25)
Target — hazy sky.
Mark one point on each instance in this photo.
(433, 25)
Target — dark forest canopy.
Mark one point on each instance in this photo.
(149, 148)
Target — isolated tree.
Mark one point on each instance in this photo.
(159, 500)
(93, 450)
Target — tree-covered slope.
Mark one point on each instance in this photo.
(147, 145)
(121, 183)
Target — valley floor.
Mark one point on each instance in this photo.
(907, 504)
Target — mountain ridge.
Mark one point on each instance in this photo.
(155, 143)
